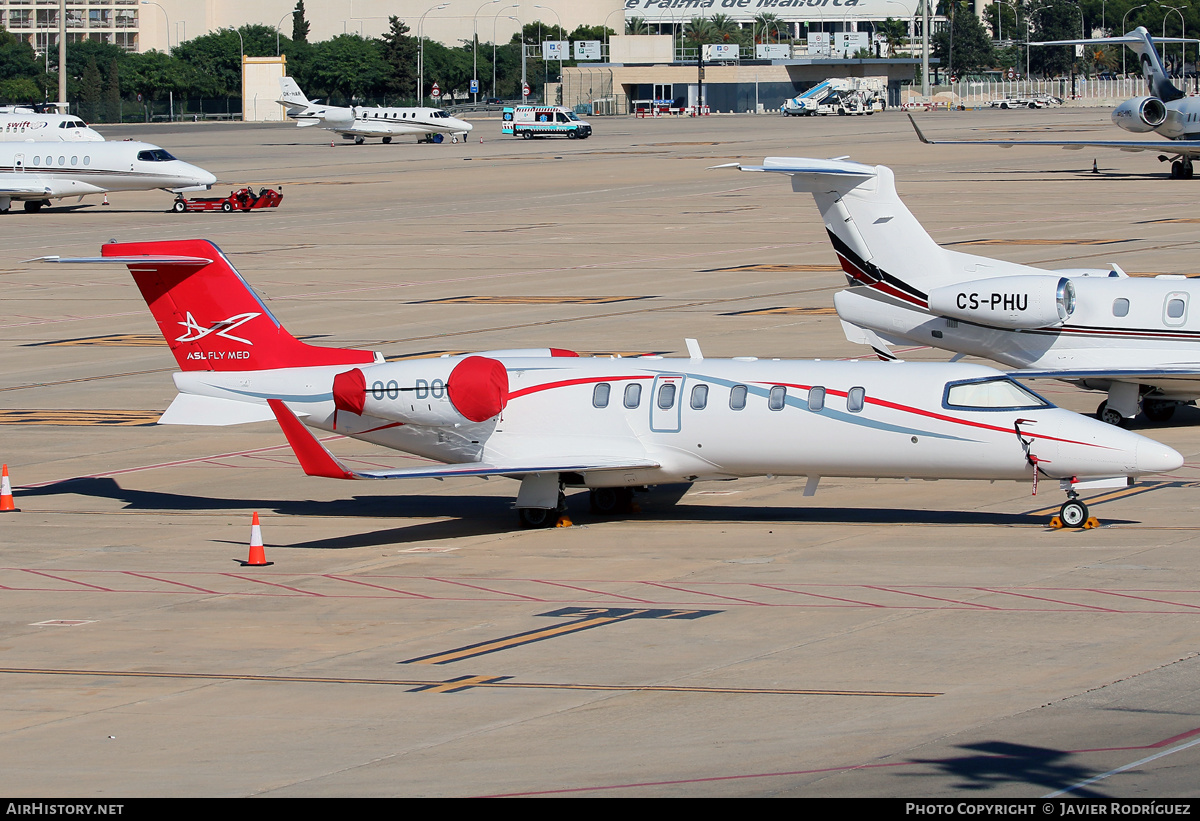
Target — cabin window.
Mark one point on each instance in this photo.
(737, 397)
(778, 398)
(87, 160)
(997, 393)
(37, 160)
(600, 395)
(1121, 306)
(700, 397)
(633, 395)
(62, 160)
(666, 395)
(74, 161)
(816, 398)
(855, 399)
(1176, 309)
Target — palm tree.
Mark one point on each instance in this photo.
(724, 27)
(894, 31)
(765, 22)
(637, 25)
(699, 31)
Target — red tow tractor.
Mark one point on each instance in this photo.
(243, 200)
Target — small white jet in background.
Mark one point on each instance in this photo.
(36, 173)
(550, 418)
(1136, 338)
(21, 124)
(431, 125)
(1164, 110)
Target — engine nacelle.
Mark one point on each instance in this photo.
(1007, 302)
(434, 392)
(1140, 115)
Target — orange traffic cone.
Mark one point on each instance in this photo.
(257, 557)
(6, 497)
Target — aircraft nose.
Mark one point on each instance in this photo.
(1155, 457)
(467, 125)
(203, 177)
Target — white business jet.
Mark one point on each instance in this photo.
(431, 125)
(24, 124)
(550, 418)
(35, 173)
(1164, 110)
(1137, 339)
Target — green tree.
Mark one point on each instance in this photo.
(112, 93)
(1057, 20)
(299, 24)
(637, 25)
(350, 66)
(91, 89)
(400, 54)
(767, 26)
(964, 45)
(894, 33)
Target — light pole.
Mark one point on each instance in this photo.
(277, 25)
(164, 11)
(1182, 35)
(475, 47)
(495, 19)
(560, 56)
(421, 54)
(607, 36)
(1123, 19)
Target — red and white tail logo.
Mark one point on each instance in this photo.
(210, 316)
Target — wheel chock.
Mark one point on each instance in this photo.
(1092, 522)
(563, 521)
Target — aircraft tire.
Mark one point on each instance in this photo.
(1073, 513)
(532, 518)
(179, 206)
(1110, 416)
(387, 140)
(609, 501)
(1158, 410)
(33, 206)
(1176, 170)
(359, 140)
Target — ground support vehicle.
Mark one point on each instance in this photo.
(841, 96)
(244, 200)
(1040, 101)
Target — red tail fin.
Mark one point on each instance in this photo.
(210, 316)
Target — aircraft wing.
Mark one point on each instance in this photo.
(1182, 379)
(316, 460)
(13, 184)
(1182, 148)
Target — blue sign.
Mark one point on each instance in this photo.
(474, 86)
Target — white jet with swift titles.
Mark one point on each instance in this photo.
(550, 418)
(24, 124)
(1136, 338)
(431, 125)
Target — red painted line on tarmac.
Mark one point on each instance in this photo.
(71, 581)
(709, 595)
(487, 589)
(1145, 598)
(931, 598)
(1052, 601)
(377, 586)
(274, 584)
(596, 592)
(168, 581)
(819, 596)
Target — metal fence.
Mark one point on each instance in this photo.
(1080, 91)
(590, 91)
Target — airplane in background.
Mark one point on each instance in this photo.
(431, 125)
(25, 124)
(1138, 339)
(1164, 110)
(35, 173)
(550, 418)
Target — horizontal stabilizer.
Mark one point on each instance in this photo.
(190, 409)
(316, 460)
(1155, 375)
(814, 175)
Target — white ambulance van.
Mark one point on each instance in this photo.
(531, 121)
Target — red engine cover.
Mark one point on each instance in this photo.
(478, 388)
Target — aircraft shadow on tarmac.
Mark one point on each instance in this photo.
(1002, 762)
(467, 515)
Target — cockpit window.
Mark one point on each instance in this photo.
(157, 155)
(999, 393)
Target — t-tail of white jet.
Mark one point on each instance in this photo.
(1158, 84)
(292, 97)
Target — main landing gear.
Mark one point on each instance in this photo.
(1181, 169)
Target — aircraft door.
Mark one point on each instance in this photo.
(665, 402)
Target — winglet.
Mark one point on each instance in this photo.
(314, 458)
(920, 136)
